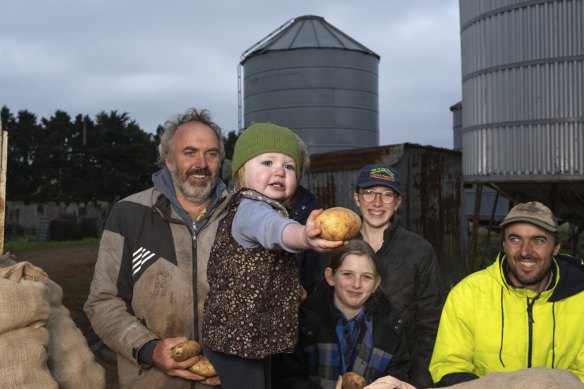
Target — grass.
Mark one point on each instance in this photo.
(75, 290)
(26, 244)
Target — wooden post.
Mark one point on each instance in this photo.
(3, 186)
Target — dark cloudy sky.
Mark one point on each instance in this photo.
(153, 58)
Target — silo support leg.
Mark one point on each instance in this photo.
(475, 226)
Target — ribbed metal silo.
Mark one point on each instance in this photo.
(311, 77)
(523, 90)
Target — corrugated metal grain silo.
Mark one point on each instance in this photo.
(523, 100)
(311, 77)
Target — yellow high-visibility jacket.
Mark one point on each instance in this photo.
(488, 325)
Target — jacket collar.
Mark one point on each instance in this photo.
(389, 233)
(571, 280)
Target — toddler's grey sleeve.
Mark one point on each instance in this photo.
(257, 224)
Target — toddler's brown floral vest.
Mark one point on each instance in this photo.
(252, 307)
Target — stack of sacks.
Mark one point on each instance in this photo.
(40, 345)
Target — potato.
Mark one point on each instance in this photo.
(353, 380)
(338, 223)
(183, 351)
(203, 368)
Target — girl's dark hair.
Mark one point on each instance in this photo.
(355, 246)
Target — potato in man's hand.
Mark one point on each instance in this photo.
(183, 351)
(203, 368)
(190, 348)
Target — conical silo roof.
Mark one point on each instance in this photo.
(307, 31)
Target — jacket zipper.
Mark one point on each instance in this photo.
(530, 322)
(194, 286)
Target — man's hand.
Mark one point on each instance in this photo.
(212, 381)
(162, 359)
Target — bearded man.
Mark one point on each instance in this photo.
(150, 279)
(525, 310)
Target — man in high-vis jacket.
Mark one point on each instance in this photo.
(525, 310)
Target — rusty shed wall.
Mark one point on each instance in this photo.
(431, 182)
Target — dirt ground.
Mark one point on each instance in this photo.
(72, 269)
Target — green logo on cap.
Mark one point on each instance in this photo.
(381, 173)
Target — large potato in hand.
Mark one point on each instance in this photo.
(203, 368)
(338, 223)
(353, 380)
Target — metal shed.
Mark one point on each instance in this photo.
(431, 182)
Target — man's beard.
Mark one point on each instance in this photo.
(534, 279)
(195, 193)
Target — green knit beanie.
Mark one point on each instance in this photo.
(261, 138)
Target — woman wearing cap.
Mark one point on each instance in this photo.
(410, 275)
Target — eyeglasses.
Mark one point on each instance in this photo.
(387, 197)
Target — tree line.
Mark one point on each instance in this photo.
(79, 160)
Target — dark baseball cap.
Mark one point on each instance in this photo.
(379, 175)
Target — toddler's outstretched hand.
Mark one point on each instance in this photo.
(313, 238)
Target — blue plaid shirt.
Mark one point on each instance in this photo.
(326, 362)
(348, 332)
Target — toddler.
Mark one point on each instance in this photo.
(251, 311)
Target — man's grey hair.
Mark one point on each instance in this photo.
(191, 115)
